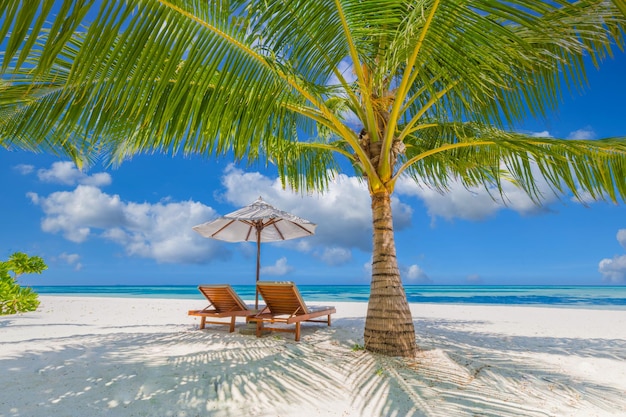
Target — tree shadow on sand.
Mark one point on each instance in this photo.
(182, 373)
(186, 372)
(463, 373)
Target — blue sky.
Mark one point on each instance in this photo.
(132, 225)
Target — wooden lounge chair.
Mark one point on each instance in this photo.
(285, 305)
(223, 302)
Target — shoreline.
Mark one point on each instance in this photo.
(145, 357)
(198, 297)
(597, 297)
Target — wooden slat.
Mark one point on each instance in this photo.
(223, 303)
(284, 304)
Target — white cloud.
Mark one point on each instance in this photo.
(585, 133)
(458, 202)
(544, 134)
(621, 237)
(412, 274)
(66, 173)
(97, 180)
(157, 231)
(475, 203)
(478, 203)
(415, 274)
(24, 169)
(34, 197)
(614, 270)
(342, 213)
(60, 173)
(162, 231)
(75, 213)
(279, 268)
(335, 255)
(242, 188)
(71, 259)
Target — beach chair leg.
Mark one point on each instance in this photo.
(329, 320)
(202, 322)
(259, 328)
(232, 324)
(297, 331)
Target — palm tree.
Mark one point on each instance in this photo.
(423, 89)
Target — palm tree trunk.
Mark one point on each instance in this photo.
(389, 326)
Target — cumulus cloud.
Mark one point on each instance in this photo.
(342, 213)
(75, 213)
(476, 203)
(415, 275)
(66, 173)
(160, 231)
(543, 134)
(458, 202)
(71, 259)
(367, 268)
(279, 268)
(163, 232)
(614, 269)
(98, 179)
(585, 133)
(335, 255)
(621, 237)
(24, 169)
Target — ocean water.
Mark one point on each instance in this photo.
(605, 297)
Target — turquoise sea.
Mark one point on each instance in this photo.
(603, 297)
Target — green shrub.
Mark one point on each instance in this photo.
(357, 347)
(13, 297)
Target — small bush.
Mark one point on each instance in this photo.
(13, 297)
(357, 347)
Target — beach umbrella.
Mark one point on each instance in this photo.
(257, 222)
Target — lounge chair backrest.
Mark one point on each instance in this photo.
(282, 297)
(222, 297)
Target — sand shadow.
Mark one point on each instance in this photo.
(464, 373)
(182, 371)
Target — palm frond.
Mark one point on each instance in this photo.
(240, 76)
(621, 4)
(303, 166)
(481, 155)
(507, 61)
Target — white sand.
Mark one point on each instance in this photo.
(78, 356)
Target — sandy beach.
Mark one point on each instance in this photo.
(89, 356)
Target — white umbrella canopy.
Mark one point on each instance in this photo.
(242, 225)
(257, 222)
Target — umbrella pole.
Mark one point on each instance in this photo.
(258, 265)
